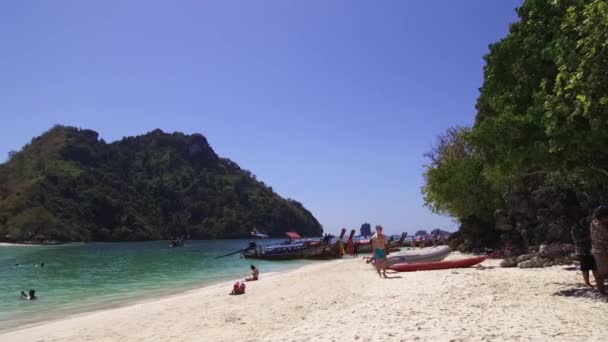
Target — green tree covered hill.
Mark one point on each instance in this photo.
(536, 160)
(69, 185)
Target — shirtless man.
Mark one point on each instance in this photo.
(380, 249)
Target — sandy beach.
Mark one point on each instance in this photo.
(345, 300)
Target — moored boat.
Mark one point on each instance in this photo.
(179, 242)
(437, 265)
(288, 251)
(296, 248)
(333, 249)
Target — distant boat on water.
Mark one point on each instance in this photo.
(179, 242)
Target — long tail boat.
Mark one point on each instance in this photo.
(333, 249)
(294, 248)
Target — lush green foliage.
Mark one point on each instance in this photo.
(542, 109)
(69, 185)
(455, 183)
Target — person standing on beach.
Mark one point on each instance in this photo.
(582, 249)
(599, 245)
(351, 246)
(380, 248)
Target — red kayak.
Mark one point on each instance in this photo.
(437, 265)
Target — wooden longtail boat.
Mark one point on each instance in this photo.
(333, 250)
(295, 248)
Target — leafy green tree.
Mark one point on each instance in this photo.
(455, 183)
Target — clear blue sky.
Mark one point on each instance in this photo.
(332, 103)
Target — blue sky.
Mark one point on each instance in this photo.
(332, 103)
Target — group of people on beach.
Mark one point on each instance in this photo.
(591, 247)
(239, 287)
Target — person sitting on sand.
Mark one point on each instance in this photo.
(599, 245)
(30, 296)
(380, 248)
(582, 249)
(238, 288)
(255, 274)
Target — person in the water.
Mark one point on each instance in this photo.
(30, 296)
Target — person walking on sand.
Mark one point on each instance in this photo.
(599, 245)
(351, 246)
(255, 274)
(582, 249)
(380, 248)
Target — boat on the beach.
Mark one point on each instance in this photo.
(437, 265)
(423, 255)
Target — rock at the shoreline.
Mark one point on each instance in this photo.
(502, 221)
(524, 257)
(535, 262)
(465, 247)
(509, 262)
(563, 261)
(553, 252)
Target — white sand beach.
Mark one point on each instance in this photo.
(345, 300)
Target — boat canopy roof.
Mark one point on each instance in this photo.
(293, 235)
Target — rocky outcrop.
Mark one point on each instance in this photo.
(545, 256)
(535, 213)
(534, 263)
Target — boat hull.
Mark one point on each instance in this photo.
(429, 255)
(437, 265)
(335, 251)
(309, 252)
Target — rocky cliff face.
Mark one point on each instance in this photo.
(534, 213)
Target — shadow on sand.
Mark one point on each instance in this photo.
(583, 292)
(393, 277)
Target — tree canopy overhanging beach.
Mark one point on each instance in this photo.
(536, 159)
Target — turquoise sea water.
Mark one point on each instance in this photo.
(83, 277)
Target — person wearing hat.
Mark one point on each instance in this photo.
(599, 244)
